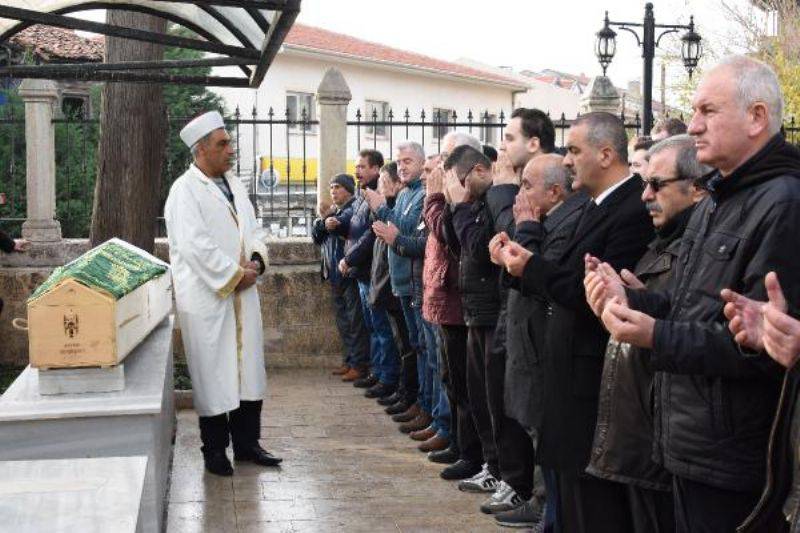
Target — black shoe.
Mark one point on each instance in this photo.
(461, 469)
(447, 456)
(217, 463)
(381, 390)
(366, 382)
(390, 400)
(529, 514)
(397, 408)
(257, 455)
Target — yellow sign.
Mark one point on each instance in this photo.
(274, 171)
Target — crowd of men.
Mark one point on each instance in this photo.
(596, 339)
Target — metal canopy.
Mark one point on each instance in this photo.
(243, 33)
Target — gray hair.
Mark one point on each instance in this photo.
(686, 164)
(555, 173)
(412, 146)
(460, 138)
(604, 129)
(756, 82)
(196, 146)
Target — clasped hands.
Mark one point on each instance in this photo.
(251, 269)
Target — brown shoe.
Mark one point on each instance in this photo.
(434, 444)
(408, 415)
(352, 375)
(341, 371)
(422, 421)
(423, 434)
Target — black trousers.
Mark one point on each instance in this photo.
(408, 385)
(479, 343)
(652, 511)
(242, 425)
(701, 508)
(462, 425)
(350, 323)
(587, 504)
(515, 451)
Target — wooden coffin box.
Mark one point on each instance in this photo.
(97, 309)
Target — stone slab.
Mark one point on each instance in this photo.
(139, 420)
(81, 380)
(68, 495)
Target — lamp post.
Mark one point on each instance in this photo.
(606, 46)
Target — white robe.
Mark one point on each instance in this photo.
(221, 328)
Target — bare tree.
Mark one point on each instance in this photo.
(133, 134)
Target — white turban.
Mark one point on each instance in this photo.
(200, 127)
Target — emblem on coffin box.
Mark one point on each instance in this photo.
(71, 325)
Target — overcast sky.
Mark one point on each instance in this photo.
(523, 34)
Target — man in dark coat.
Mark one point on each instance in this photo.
(623, 440)
(614, 225)
(718, 399)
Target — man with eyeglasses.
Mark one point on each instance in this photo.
(623, 439)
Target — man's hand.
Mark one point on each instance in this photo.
(496, 248)
(455, 190)
(781, 332)
(21, 245)
(523, 211)
(503, 171)
(248, 280)
(343, 267)
(515, 257)
(331, 223)
(435, 182)
(374, 199)
(627, 325)
(602, 283)
(386, 232)
(745, 319)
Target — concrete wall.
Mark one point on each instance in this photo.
(296, 306)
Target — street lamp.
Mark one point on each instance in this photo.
(606, 46)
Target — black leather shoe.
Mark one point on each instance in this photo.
(447, 456)
(366, 382)
(381, 390)
(461, 469)
(397, 408)
(390, 400)
(257, 455)
(217, 463)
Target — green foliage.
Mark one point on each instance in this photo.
(77, 142)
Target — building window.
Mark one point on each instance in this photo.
(489, 133)
(295, 104)
(441, 119)
(74, 106)
(378, 112)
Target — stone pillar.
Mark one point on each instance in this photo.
(601, 95)
(333, 96)
(40, 97)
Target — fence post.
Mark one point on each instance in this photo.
(601, 95)
(40, 97)
(333, 96)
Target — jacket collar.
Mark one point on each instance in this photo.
(630, 186)
(213, 189)
(569, 206)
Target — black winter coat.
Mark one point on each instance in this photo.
(623, 439)
(526, 315)
(718, 400)
(360, 237)
(616, 231)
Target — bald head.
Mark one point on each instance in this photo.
(546, 182)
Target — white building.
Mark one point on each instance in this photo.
(381, 79)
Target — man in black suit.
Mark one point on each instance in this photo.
(616, 227)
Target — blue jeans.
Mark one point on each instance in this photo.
(416, 336)
(440, 404)
(383, 351)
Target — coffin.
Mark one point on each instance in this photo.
(96, 309)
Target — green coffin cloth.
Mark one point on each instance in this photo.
(110, 268)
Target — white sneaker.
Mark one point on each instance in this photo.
(483, 481)
(503, 499)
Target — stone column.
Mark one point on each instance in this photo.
(333, 96)
(601, 95)
(40, 97)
